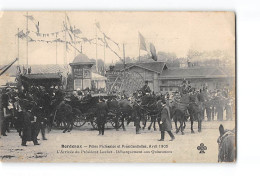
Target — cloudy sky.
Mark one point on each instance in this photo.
(169, 31)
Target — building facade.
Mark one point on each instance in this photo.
(81, 72)
(163, 79)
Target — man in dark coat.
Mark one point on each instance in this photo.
(41, 121)
(219, 107)
(29, 127)
(146, 89)
(102, 111)
(6, 113)
(137, 116)
(165, 122)
(229, 109)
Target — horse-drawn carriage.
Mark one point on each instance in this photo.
(85, 110)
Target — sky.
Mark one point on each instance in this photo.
(174, 32)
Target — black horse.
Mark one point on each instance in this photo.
(196, 114)
(64, 114)
(178, 116)
(226, 145)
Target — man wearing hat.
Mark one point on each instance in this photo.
(102, 111)
(146, 89)
(30, 124)
(165, 122)
(6, 113)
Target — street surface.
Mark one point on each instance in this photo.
(83, 144)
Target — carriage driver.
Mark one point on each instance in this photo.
(146, 89)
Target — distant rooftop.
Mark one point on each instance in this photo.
(82, 59)
(42, 76)
(152, 66)
(197, 72)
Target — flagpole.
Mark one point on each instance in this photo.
(18, 46)
(65, 51)
(104, 51)
(75, 43)
(81, 48)
(96, 51)
(139, 46)
(56, 51)
(27, 40)
(124, 55)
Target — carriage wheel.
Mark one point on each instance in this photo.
(113, 122)
(94, 123)
(79, 119)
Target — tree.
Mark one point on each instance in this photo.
(192, 54)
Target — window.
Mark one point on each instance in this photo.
(78, 72)
(161, 89)
(77, 84)
(164, 81)
(86, 73)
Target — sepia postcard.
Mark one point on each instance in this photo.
(118, 86)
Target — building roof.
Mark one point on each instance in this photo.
(49, 68)
(157, 67)
(82, 59)
(43, 76)
(98, 77)
(195, 72)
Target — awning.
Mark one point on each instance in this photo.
(98, 77)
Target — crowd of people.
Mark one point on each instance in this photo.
(215, 102)
(28, 110)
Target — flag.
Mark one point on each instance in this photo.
(153, 51)
(21, 34)
(98, 25)
(30, 17)
(77, 31)
(86, 39)
(37, 24)
(142, 42)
